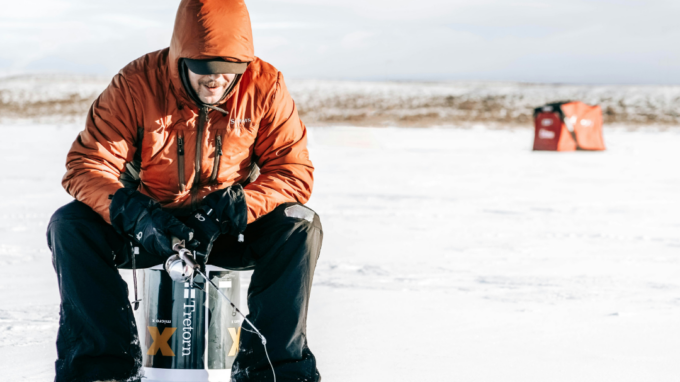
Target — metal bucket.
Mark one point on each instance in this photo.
(172, 321)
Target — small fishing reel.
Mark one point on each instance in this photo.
(181, 265)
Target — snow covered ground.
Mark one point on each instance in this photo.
(449, 255)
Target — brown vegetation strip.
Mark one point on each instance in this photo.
(378, 104)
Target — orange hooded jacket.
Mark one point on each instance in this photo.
(146, 116)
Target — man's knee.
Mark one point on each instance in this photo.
(296, 214)
(74, 211)
(68, 220)
(304, 226)
(292, 226)
(302, 223)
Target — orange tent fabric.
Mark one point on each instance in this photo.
(568, 126)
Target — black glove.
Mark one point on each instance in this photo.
(228, 208)
(206, 231)
(222, 212)
(140, 217)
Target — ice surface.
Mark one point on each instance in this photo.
(448, 255)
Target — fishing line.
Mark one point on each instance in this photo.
(257, 332)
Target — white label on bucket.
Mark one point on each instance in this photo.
(546, 134)
(225, 284)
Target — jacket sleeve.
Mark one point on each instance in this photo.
(99, 153)
(281, 153)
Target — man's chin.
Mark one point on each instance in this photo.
(212, 96)
(210, 99)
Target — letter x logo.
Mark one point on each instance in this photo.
(160, 341)
(235, 337)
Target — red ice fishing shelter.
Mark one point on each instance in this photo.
(568, 126)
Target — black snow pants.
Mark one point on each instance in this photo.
(97, 338)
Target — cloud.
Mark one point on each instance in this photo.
(357, 40)
(283, 25)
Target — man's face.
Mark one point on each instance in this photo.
(210, 88)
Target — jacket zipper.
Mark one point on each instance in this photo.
(218, 155)
(202, 119)
(180, 161)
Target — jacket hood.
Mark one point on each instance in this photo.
(208, 29)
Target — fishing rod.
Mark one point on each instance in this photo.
(182, 267)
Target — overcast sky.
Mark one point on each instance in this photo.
(574, 41)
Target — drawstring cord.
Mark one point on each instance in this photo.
(217, 109)
(135, 252)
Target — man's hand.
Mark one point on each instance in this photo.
(206, 231)
(140, 217)
(222, 212)
(228, 207)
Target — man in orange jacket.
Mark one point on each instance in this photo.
(202, 125)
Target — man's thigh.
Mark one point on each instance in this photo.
(259, 237)
(228, 253)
